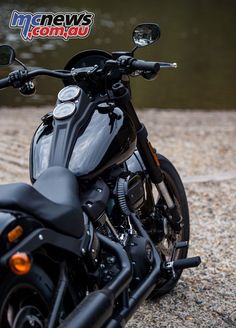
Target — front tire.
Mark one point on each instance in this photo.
(25, 300)
(177, 192)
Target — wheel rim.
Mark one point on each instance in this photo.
(23, 307)
(29, 317)
(167, 244)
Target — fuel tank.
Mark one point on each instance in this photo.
(108, 139)
(104, 139)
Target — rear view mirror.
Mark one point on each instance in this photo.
(145, 34)
(7, 55)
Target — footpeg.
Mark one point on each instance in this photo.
(181, 264)
(190, 262)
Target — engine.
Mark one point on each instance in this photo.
(129, 198)
(130, 193)
(117, 196)
(110, 203)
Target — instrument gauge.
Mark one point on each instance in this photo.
(64, 110)
(69, 93)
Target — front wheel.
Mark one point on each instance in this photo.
(25, 300)
(166, 244)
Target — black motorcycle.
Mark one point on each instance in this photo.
(105, 223)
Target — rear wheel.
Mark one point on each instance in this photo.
(165, 246)
(25, 300)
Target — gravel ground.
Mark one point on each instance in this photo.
(198, 143)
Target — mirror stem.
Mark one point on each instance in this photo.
(133, 50)
(19, 62)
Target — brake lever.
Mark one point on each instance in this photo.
(168, 65)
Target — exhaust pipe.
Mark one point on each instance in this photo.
(96, 310)
(97, 307)
(92, 312)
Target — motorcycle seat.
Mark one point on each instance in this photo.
(53, 199)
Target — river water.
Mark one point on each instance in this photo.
(199, 35)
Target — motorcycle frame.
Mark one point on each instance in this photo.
(94, 315)
(101, 303)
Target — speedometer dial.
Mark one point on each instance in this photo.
(64, 110)
(69, 93)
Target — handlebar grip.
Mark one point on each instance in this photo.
(4, 83)
(143, 65)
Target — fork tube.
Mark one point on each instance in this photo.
(165, 193)
(149, 156)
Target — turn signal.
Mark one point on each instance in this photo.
(15, 233)
(20, 263)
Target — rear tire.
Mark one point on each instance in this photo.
(23, 297)
(177, 192)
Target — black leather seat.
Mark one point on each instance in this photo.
(54, 199)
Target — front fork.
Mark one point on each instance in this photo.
(151, 162)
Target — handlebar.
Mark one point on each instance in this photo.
(126, 64)
(145, 65)
(4, 83)
(48, 72)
